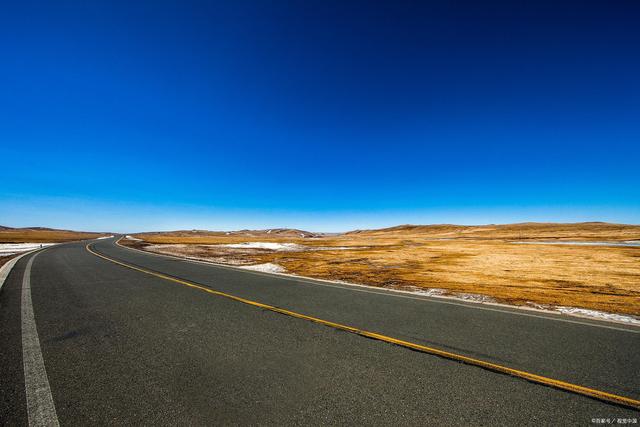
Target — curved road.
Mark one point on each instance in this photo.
(85, 340)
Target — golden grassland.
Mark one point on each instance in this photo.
(39, 235)
(478, 260)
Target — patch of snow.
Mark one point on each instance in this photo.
(268, 267)
(104, 237)
(283, 247)
(629, 243)
(132, 238)
(16, 248)
(429, 292)
(437, 292)
(474, 297)
(583, 312)
(178, 250)
(572, 311)
(598, 314)
(265, 245)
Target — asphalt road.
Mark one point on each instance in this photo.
(119, 346)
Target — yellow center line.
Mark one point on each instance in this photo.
(538, 379)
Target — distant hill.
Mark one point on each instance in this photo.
(43, 235)
(266, 233)
(520, 231)
(276, 232)
(593, 231)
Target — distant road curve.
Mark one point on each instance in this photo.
(129, 337)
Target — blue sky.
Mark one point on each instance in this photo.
(129, 116)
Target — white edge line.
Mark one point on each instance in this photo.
(41, 409)
(408, 295)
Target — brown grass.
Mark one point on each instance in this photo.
(34, 235)
(478, 260)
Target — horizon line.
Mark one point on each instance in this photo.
(323, 232)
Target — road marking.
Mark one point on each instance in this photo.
(538, 379)
(397, 293)
(41, 410)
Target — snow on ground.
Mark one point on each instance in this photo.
(437, 292)
(16, 248)
(474, 297)
(597, 314)
(281, 247)
(264, 245)
(429, 292)
(132, 238)
(572, 311)
(583, 312)
(178, 250)
(630, 243)
(269, 267)
(104, 237)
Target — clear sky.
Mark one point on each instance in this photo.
(323, 115)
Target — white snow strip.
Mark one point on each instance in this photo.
(269, 267)
(477, 298)
(474, 297)
(598, 314)
(132, 238)
(583, 312)
(104, 237)
(265, 245)
(283, 247)
(41, 410)
(437, 292)
(629, 243)
(429, 292)
(16, 248)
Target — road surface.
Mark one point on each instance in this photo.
(85, 340)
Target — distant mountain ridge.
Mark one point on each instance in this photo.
(3, 227)
(269, 232)
(43, 235)
(517, 231)
(525, 230)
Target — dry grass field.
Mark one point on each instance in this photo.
(39, 235)
(42, 235)
(455, 260)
